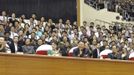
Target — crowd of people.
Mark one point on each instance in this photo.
(25, 36)
(124, 7)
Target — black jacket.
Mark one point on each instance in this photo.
(85, 53)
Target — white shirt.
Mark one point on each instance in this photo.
(3, 18)
(16, 47)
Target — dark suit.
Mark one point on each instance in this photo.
(85, 53)
(102, 48)
(63, 51)
(95, 53)
(19, 48)
(10, 44)
(12, 21)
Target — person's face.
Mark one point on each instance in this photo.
(23, 16)
(86, 45)
(42, 19)
(15, 39)
(81, 28)
(98, 46)
(54, 46)
(112, 31)
(91, 28)
(31, 20)
(27, 42)
(46, 28)
(43, 37)
(75, 31)
(1, 40)
(74, 23)
(103, 27)
(40, 42)
(84, 23)
(7, 35)
(16, 23)
(50, 21)
(1, 27)
(37, 28)
(98, 30)
(65, 39)
(85, 39)
(20, 33)
(33, 16)
(33, 35)
(68, 22)
(104, 43)
(122, 44)
(3, 13)
(81, 45)
(94, 42)
(13, 15)
(97, 26)
(60, 21)
(114, 49)
(113, 43)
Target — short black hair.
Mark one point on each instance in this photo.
(2, 36)
(7, 32)
(64, 32)
(91, 26)
(81, 41)
(99, 28)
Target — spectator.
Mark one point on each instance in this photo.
(55, 51)
(15, 48)
(9, 41)
(64, 38)
(1, 30)
(39, 43)
(3, 46)
(28, 48)
(81, 51)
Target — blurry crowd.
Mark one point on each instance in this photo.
(20, 35)
(124, 7)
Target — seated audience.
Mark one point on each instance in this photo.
(3, 45)
(32, 36)
(28, 48)
(81, 51)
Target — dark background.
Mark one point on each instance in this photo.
(54, 9)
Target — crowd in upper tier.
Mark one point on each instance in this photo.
(124, 7)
